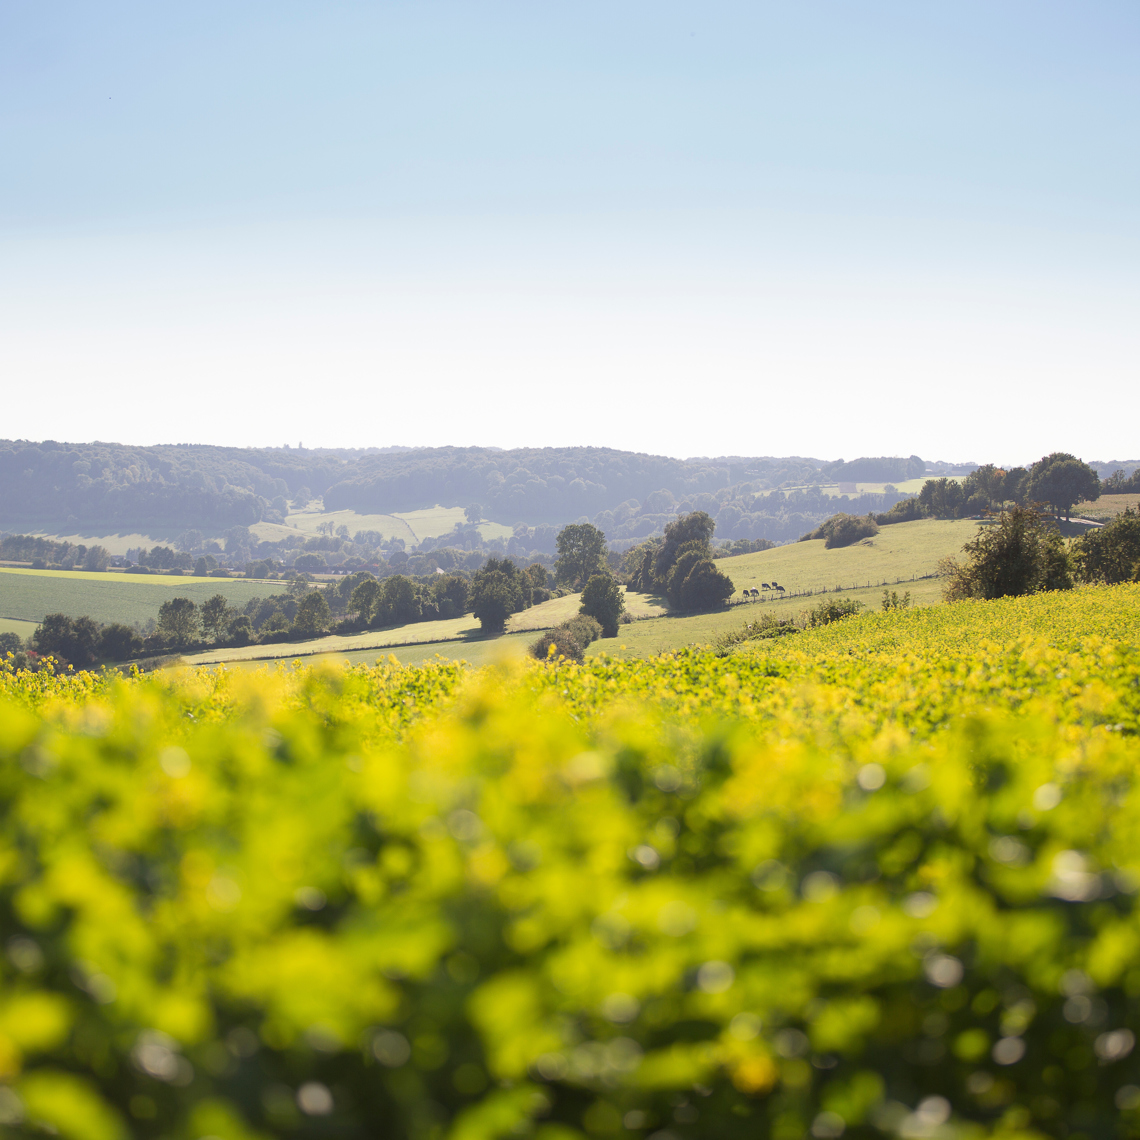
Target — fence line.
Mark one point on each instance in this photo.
(775, 596)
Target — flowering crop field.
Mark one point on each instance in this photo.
(878, 879)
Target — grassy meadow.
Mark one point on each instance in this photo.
(27, 595)
(412, 526)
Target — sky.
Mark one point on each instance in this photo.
(814, 228)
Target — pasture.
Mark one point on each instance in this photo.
(1107, 507)
(901, 551)
(27, 595)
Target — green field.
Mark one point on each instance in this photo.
(27, 595)
(412, 526)
(25, 629)
(1107, 507)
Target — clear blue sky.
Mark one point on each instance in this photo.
(818, 228)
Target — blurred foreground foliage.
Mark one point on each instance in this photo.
(881, 886)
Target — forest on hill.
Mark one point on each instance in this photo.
(67, 486)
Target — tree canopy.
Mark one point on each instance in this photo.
(581, 553)
(604, 601)
(1062, 480)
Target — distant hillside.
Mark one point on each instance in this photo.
(630, 495)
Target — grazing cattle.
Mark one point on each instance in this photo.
(779, 589)
(766, 586)
(754, 592)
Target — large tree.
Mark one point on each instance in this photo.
(1062, 480)
(178, 620)
(581, 553)
(498, 590)
(604, 601)
(313, 615)
(71, 640)
(1111, 553)
(216, 615)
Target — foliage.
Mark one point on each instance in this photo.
(892, 601)
(604, 600)
(908, 510)
(568, 640)
(826, 612)
(313, 616)
(73, 641)
(888, 892)
(216, 614)
(1021, 552)
(179, 620)
(844, 530)
(1110, 553)
(581, 554)
(1062, 480)
(499, 589)
(1118, 483)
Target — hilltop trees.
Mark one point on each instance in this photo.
(178, 619)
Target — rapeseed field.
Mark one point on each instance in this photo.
(874, 879)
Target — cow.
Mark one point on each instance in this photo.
(754, 592)
(766, 586)
(778, 588)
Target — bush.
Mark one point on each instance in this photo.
(908, 510)
(558, 642)
(1111, 553)
(844, 530)
(827, 612)
(1022, 552)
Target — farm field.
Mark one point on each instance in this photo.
(115, 542)
(455, 638)
(899, 551)
(23, 629)
(663, 634)
(1107, 507)
(411, 526)
(30, 594)
(848, 883)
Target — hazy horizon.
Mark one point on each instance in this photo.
(753, 229)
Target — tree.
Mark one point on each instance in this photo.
(704, 587)
(581, 553)
(604, 601)
(1112, 553)
(178, 620)
(693, 531)
(313, 615)
(1062, 480)
(1021, 553)
(73, 641)
(498, 590)
(452, 595)
(96, 558)
(473, 513)
(216, 615)
(363, 600)
(398, 603)
(118, 642)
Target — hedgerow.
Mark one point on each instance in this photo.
(797, 890)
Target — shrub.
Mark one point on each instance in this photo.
(1111, 553)
(844, 530)
(1022, 552)
(892, 601)
(908, 510)
(827, 612)
(558, 642)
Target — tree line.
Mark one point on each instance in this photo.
(680, 566)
